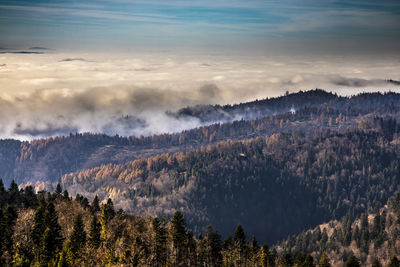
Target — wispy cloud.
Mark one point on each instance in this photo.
(217, 23)
(91, 13)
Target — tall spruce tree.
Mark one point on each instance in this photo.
(177, 232)
(95, 205)
(159, 242)
(190, 249)
(77, 239)
(47, 251)
(51, 221)
(7, 225)
(58, 190)
(94, 239)
(353, 261)
(50, 240)
(38, 229)
(72, 252)
(2, 189)
(239, 240)
(267, 258)
(324, 260)
(214, 247)
(254, 250)
(107, 214)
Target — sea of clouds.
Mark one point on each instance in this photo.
(53, 93)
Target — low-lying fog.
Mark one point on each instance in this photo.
(51, 94)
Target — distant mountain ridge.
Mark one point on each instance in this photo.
(290, 102)
(49, 159)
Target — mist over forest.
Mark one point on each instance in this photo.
(213, 133)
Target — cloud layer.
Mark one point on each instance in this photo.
(55, 94)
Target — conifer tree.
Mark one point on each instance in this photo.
(65, 194)
(394, 262)
(286, 260)
(202, 251)
(1, 232)
(107, 213)
(190, 250)
(51, 222)
(2, 189)
(94, 233)
(95, 206)
(239, 238)
(254, 249)
(72, 252)
(29, 197)
(304, 260)
(239, 241)
(159, 242)
(13, 187)
(213, 247)
(7, 228)
(308, 261)
(267, 259)
(177, 233)
(46, 248)
(346, 230)
(353, 261)
(2, 193)
(47, 232)
(77, 238)
(58, 190)
(38, 229)
(376, 263)
(13, 193)
(324, 260)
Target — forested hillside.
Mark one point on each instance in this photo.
(53, 229)
(49, 159)
(300, 161)
(288, 103)
(274, 186)
(372, 237)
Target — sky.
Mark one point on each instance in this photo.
(117, 66)
(355, 26)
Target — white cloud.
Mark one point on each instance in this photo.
(128, 94)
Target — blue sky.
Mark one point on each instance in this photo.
(254, 25)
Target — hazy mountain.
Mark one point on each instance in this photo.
(287, 103)
(49, 159)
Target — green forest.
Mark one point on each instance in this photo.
(54, 229)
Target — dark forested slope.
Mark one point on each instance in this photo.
(274, 186)
(372, 237)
